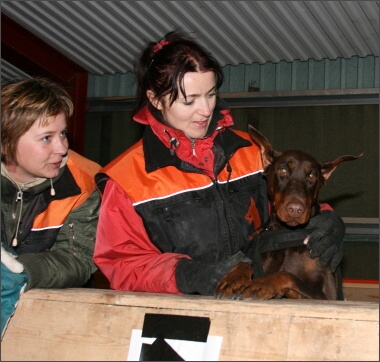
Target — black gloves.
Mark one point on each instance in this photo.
(326, 241)
(196, 277)
(272, 240)
(325, 231)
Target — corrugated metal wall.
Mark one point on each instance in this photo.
(104, 37)
(271, 45)
(353, 73)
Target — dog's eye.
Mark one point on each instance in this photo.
(282, 171)
(310, 176)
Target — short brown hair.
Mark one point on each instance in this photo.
(22, 103)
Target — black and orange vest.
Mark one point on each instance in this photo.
(185, 211)
(45, 214)
(56, 213)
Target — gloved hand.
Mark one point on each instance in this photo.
(13, 283)
(271, 240)
(326, 241)
(202, 278)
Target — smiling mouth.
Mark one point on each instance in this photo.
(201, 123)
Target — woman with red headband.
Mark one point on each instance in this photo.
(181, 206)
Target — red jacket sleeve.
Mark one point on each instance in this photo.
(123, 251)
(325, 206)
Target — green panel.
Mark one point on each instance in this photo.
(308, 75)
(283, 76)
(237, 76)
(300, 72)
(332, 74)
(252, 77)
(316, 74)
(352, 73)
(268, 77)
(376, 75)
(366, 77)
(225, 88)
(114, 85)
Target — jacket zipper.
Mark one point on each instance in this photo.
(17, 206)
(227, 223)
(193, 147)
(72, 235)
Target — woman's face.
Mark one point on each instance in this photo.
(40, 150)
(192, 115)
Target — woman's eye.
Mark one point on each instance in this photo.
(45, 139)
(212, 95)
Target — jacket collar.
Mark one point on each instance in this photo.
(64, 185)
(172, 138)
(157, 145)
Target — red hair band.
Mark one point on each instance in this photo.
(160, 45)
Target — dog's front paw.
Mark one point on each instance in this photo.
(278, 285)
(258, 289)
(233, 281)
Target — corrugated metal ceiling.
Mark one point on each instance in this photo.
(104, 37)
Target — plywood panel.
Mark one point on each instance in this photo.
(366, 292)
(96, 324)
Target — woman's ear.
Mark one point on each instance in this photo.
(155, 102)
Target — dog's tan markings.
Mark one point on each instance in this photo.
(252, 216)
(291, 164)
(310, 174)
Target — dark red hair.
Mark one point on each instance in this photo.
(163, 64)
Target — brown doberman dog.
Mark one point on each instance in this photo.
(294, 180)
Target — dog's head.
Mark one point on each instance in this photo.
(294, 180)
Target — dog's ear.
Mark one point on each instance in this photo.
(268, 153)
(328, 168)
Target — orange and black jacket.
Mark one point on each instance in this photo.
(158, 208)
(55, 234)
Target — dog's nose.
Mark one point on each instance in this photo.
(295, 209)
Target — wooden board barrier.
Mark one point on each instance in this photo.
(96, 325)
(365, 291)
